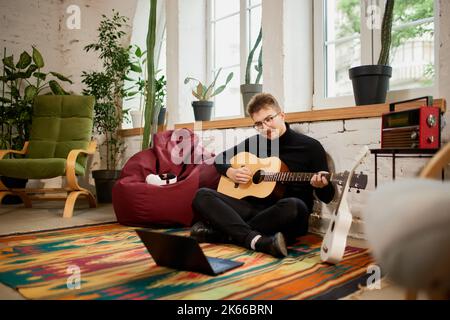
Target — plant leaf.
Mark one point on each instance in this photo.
(14, 92)
(40, 75)
(196, 95)
(30, 70)
(24, 60)
(132, 93)
(136, 68)
(230, 76)
(37, 58)
(208, 93)
(30, 93)
(138, 52)
(200, 91)
(5, 100)
(56, 88)
(186, 81)
(61, 77)
(9, 62)
(219, 90)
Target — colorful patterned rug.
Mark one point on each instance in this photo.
(114, 264)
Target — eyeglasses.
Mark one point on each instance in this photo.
(267, 121)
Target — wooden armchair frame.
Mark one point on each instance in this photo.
(72, 189)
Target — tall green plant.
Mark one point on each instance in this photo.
(21, 82)
(151, 107)
(107, 86)
(386, 29)
(259, 66)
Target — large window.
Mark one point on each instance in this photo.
(348, 34)
(231, 22)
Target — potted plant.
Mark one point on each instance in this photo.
(203, 107)
(21, 82)
(249, 89)
(371, 82)
(139, 87)
(107, 87)
(137, 57)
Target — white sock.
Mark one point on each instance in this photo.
(253, 242)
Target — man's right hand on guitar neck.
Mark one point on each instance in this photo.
(239, 175)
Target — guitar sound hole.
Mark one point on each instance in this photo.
(258, 177)
(332, 227)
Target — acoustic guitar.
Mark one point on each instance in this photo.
(334, 242)
(270, 176)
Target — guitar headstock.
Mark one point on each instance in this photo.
(357, 181)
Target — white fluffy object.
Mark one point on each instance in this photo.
(407, 225)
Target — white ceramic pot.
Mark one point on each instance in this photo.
(136, 118)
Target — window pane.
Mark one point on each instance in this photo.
(228, 103)
(227, 42)
(255, 2)
(254, 23)
(412, 49)
(342, 44)
(223, 8)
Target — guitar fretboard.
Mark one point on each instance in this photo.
(293, 176)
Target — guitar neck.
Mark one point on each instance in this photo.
(294, 176)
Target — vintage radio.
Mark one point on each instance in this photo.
(412, 129)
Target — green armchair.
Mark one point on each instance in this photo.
(60, 140)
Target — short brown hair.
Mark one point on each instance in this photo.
(262, 101)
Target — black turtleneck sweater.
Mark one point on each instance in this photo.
(299, 152)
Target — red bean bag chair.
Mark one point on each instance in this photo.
(137, 203)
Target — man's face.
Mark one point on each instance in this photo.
(269, 122)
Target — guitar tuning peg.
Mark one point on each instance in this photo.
(358, 191)
(349, 189)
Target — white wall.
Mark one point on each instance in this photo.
(43, 23)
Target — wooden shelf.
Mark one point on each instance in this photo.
(346, 113)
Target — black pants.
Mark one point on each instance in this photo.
(243, 219)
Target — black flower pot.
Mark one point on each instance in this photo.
(161, 116)
(14, 183)
(202, 110)
(370, 83)
(248, 91)
(104, 183)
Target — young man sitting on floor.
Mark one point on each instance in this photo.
(268, 224)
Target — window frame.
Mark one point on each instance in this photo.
(244, 18)
(370, 48)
